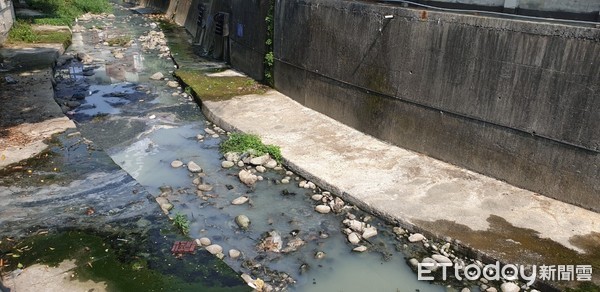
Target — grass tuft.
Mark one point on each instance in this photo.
(22, 32)
(240, 142)
(182, 223)
(64, 12)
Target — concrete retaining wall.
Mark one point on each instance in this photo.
(567, 9)
(7, 18)
(515, 100)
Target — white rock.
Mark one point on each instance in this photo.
(369, 232)
(432, 267)
(465, 290)
(205, 241)
(355, 225)
(271, 163)
(242, 221)
(176, 164)
(209, 131)
(193, 167)
(240, 200)
(491, 289)
(260, 160)
(509, 287)
(353, 238)
(413, 262)
(289, 173)
(234, 253)
(416, 237)
(164, 204)
(317, 197)
(232, 156)
(240, 163)
(205, 188)
(247, 177)
(227, 164)
(360, 248)
(157, 76)
(172, 84)
(441, 259)
(285, 181)
(398, 231)
(261, 169)
(214, 249)
(311, 185)
(323, 209)
(302, 184)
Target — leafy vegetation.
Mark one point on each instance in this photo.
(64, 12)
(182, 223)
(22, 32)
(57, 12)
(240, 142)
(269, 58)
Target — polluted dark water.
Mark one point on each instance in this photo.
(144, 124)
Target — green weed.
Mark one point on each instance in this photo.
(182, 223)
(240, 142)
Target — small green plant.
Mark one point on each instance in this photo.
(120, 41)
(64, 12)
(240, 142)
(182, 223)
(269, 58)
(22, 32)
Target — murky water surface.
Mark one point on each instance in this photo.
(144, 124)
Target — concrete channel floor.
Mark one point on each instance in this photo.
(499, 220)
(28, 115)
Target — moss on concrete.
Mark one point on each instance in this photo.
(218, 88)
(119, 260)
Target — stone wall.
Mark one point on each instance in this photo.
(519, 101)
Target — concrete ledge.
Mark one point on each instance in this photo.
(421, 193)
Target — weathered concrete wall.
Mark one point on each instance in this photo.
(519, 101)
(569, 9)
(248, 36)
(7, 18)
(247, 29)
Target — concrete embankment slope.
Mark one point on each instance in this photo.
(424, 194)
(28, 115)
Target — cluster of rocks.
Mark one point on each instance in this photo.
(273, 242)
(442, 254)
(90, 16)
(155, 40)
(357, 231)
(250, 164)
(212, 131)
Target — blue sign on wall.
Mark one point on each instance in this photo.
(240, 30)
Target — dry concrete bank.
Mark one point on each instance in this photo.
(492, 218)
(28, 115)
